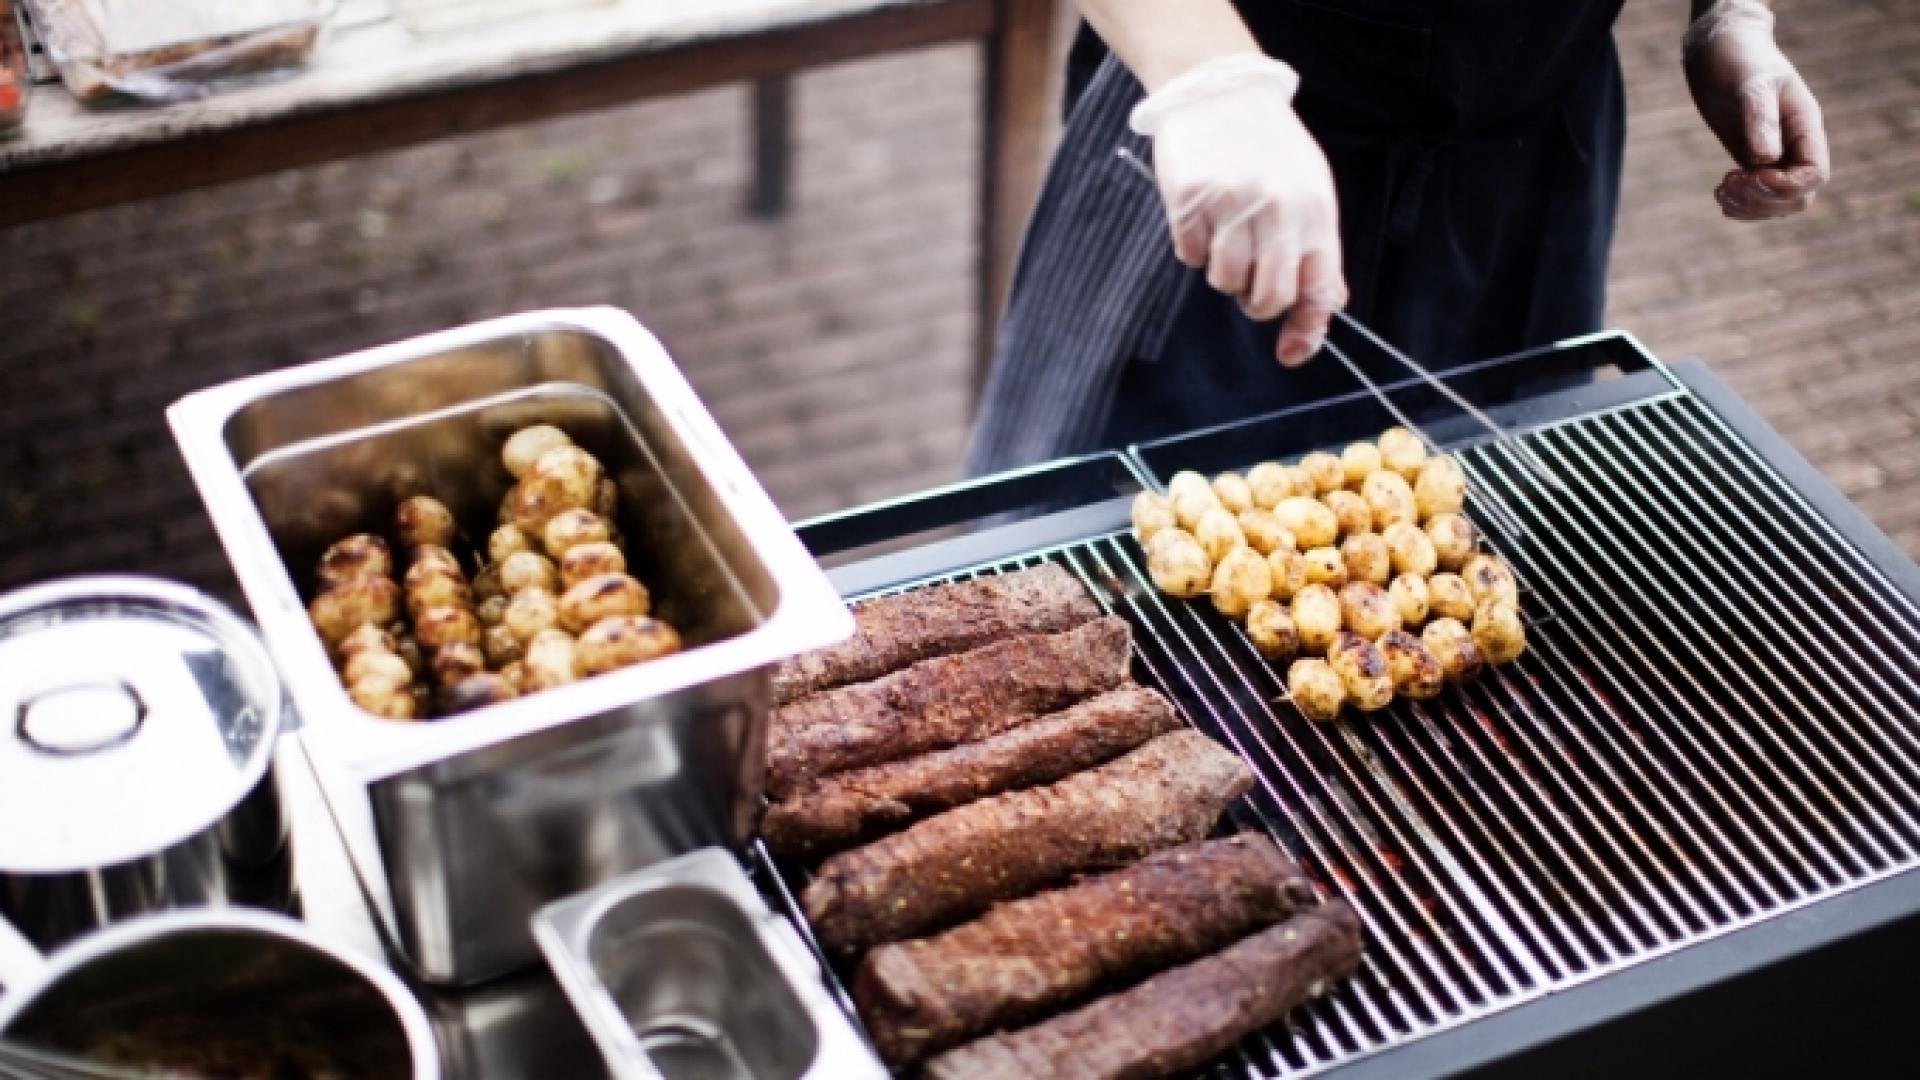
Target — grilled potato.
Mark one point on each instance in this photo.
(1289, 570)
(1269, 482)
(1326, 566)
(423, 519)
(1326, 471)
(1190, 506)
(530, 613)
(364, 637)
(623, 641)
(1490, 579)
(1240, 579)
(341, 609)
(1416, 674)
(506, 542)
(1441, 488)
(571, 528)
(1151, 513)
(606, 501)
(1410, 598)
(1390, 499)
(491, 611)
(1178, 564)
(501, 646)
(1411, 550)
(1264, 532)
(434, 559)
(1185, 481)
(1233, 491)
(528, 570)
(515, 676)
(1309, 520)
(598, 597)
(1350, 512)
(360, 556)
(476, 691)
(525, 446)
(1498, 632)
(1316, 689)
(590, 560)
(1403, 452)
(1363, 671)
(1451, 645)
(1366, 558)
(528, 510)
(1449, 598)
(454, 662)
(1271, 630)
(440, 627)
(1359, 460)
(1452, 538)
(371, 662)
(437, 590)
(1316, 616)
(551, 661)
(564, 478)
(385, 698)
(1219, 533)
(486, 584)
(1365, 609)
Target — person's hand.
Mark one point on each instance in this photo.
(1249, 195)
(1760, 107)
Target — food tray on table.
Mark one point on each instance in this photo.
(172, 51)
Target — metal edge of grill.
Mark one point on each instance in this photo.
(1531, 835)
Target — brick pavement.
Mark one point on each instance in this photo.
(834, 344)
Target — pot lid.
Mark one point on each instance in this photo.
(133, 714)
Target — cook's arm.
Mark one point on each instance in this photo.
(1247, 190)
(1752, 97)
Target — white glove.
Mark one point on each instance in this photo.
(1248, 193)
(1760, 107)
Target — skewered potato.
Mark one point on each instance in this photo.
(1240, 579)
(1412, 552)
(1269, 482)
(491, 611)
(1271, 630)
(571, 528)
(1416, 674)
(501, 646)
(525, 446)
(1185, 481)
(1410, 598)
(528, 510)
(590, 560)
(606, 500)
(372, 662)
(1452, 538)
(407, 647)
(1178, 564)
(531, 612)
(385, 698)
(1325, 470)
(528, 571)
(1219, 533)
(341, 609)
(515, 676)
(598, 597)
(1316, 689)
(1326, 566)
(456, 661)
(358, 556)
(1449, 598)
(1309, 520)
(486, 584)
(1289, 570)
(1498, 632)
(1363, 671)
(437, 590)
(1264, 532)
(1489, 579)
(1350, 512)
(1390, 499)
(1151, 513)
(477, 691)
(565, 477)
(1190, 506)
(506, 542)
(433, 559)
(364, 637)
(1316, 616)
(1451, 645)
(1403, 452)
(551, 661)
(1441, 487)
(423, 519)
(1366, 558)
(1233, 491)
(1359, 460)
(440, 627)
(623, 641)
(1365, 609)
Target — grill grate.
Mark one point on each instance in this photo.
(1715, 722)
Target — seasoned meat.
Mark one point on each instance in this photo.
(955, 865)
(1023, 958)
(943, 702)
(1178, 1019)
(894, 631)
(847, 808)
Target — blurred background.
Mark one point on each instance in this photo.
(835, 341)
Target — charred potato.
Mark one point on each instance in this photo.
(491, 612)
(1264, 532)
(598, 597)
(486, 584)
(423, 519)
(606, 500)
(1490, 579)
(506, 542)
(1326, 566)
(1178, 564)
(1359, 460)
(1316, 616)
(1326, 471)
(360, 556)
(1233, 491)
(440, 627)
(1365, 609)
(385, 698)
(1449, 598)
(564, 478)
(1416, 674)
(571, 528)
(590, 560)
(1269, 482)
(1452, 537)
(1239, 580)
(530, 613)
(1403, 452)
(1390, 499)
(364, 637)
(1219, 533)
(1271, 630)
(1316, 689)
(476, 691)
(1289, 570)
(1363, 671)
(434, 559)
(528, 510)
(515, 676)
(1309, 520)
(454, 662)
(1151, 513)
(341, 609)
(1366, 558)
(373, 662)
(1451, 645)
(528, 571)
(524, 447)
(1498, 632)
(551, 661)
(1410, 598)
(1350, 512)
(437, 590)
(623, 641)
(1441, 488)
(501, 646)
(1412, 552)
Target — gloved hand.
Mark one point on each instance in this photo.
(1760, 107)
(1248, 193)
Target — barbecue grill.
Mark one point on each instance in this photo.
(1716, 726)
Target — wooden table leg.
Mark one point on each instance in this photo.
(1014, 123)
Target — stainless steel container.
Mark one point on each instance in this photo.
(681, 970)
(137, 725)
(215, 993)
(462, 828)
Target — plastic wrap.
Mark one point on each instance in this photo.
(173, 50)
